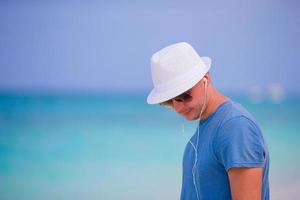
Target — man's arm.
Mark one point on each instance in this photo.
(245, 183)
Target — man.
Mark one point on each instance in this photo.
(227, 157)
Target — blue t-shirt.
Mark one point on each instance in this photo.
(228, 138)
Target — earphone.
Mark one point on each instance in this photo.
(196, 147)
(205, 82)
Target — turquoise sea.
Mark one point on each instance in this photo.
(115, 147)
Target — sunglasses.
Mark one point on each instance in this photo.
(184, 97)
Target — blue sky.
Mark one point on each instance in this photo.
(96, 46)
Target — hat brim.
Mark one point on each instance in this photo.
(158, 96)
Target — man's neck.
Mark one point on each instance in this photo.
(214, 100)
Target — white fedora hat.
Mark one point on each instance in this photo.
(175, 69)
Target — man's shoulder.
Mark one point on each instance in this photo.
(238, 124)
(236, 113)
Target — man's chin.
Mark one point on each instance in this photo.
(191, 118)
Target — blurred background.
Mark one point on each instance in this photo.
(74, 77)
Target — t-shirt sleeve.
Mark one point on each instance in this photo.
(239, 143)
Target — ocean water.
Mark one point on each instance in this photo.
(114, 147)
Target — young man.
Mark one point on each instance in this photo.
(227, 157)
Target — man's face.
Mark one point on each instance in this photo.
(191, 104)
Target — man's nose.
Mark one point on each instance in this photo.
(177, 105)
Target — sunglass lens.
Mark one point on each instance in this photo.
(183, 97)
